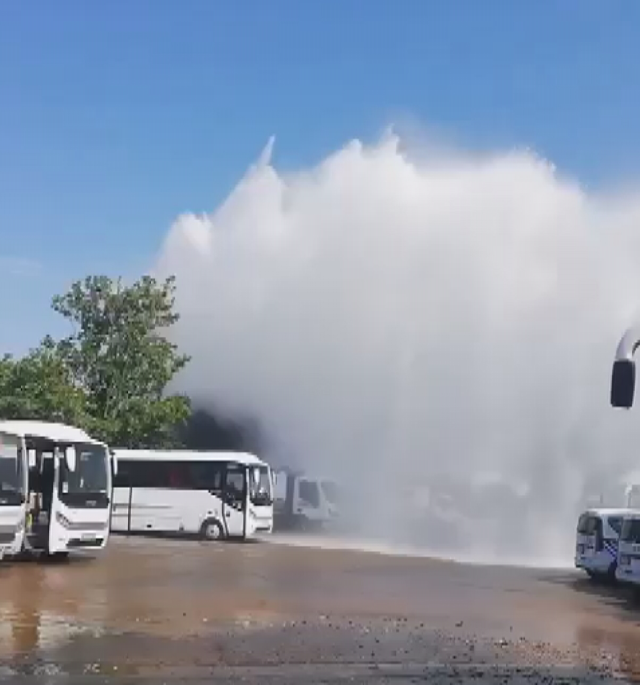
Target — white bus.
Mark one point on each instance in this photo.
(55, 485)
(215, 495)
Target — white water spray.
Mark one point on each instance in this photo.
(437, 329)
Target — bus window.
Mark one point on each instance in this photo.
(587, 524)
(178, 476)
(630, 530)
(10, 471)
(206, 475)
(146, 474)
(615, 523)
(123, 477)
(235, 484)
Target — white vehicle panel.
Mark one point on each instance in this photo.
(12, 510)
(163, 510)
(597, 552)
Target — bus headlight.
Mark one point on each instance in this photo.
(63, 520)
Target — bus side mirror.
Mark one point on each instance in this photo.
(623, 383)
(70, 458)
(114, 461)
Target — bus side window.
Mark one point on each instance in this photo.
(206, 475)
(214, 477)
(235, 482)
(148, 474)
(122, 478)
(615, 523)
(179, 475)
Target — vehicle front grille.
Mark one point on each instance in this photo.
(76, 543)
(86, 526)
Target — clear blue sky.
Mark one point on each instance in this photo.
(116, 116)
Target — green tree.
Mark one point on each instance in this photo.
(121, 360)
(39, 386)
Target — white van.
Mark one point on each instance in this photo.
(628, 570)
(597, 536)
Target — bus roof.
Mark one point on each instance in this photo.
(610, 511)
(56, 432)
(188, 455)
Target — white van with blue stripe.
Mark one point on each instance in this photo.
(628, 570)
(597, 536)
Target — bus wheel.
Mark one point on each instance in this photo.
(211, 530)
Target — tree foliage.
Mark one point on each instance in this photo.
(119, 357)
(39, 386)
(110, 376)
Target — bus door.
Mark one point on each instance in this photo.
(51, 500)
(234, 500)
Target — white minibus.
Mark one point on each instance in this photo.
(55, 489)
(215, 495)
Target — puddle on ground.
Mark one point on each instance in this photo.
(169, 593)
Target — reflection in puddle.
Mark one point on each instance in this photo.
(43, 606)
(39, 630)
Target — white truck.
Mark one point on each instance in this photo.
(302, 501)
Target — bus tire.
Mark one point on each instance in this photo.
(212, 530)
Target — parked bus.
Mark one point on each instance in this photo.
(55, 484)
(215, 495)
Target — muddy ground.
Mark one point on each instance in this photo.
(171, 611)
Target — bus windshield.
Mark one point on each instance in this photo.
(260, 485)
(91, 472)
(587, 524)
(10, 472)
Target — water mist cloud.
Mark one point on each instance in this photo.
(436, 327)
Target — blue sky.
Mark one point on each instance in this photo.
(117, 116)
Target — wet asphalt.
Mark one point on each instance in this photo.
(185, 611)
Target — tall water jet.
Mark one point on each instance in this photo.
(433, 330)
